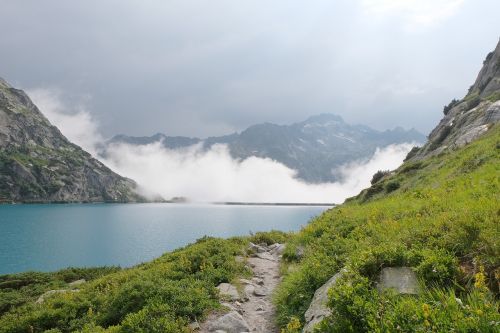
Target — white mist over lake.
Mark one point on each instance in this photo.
(213, 175)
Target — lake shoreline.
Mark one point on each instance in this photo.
(223, 203)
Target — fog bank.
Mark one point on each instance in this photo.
(214, 176)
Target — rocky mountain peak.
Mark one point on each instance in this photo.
(324, 118)
(488, 79)
(470, 117)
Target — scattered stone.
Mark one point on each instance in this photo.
(76, 283)
(266, 256)
(249, 289)
(318, 309)
(230, 306)
(278, 249)
(273, 246)
(245, 281)
(401, 279)
(257, 248)
(231, 322)
(228, 290)
(260, 291)
(258, 280)
(254, 303)
(194, 326)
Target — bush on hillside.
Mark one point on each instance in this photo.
(447, 108)
(392, 186)
(378, 176)
(412, 153)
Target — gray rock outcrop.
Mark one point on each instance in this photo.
(38, 164)
(488, 79)
(231, 322)
(318, 308)
(227, 290)
(403, 280)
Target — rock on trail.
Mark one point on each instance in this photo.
(251, 309)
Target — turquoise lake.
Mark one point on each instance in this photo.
(51, 237)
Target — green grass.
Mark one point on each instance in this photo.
(22, 288)
(440, 216)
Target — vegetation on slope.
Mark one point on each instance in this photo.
(164, 295)
(440, 216)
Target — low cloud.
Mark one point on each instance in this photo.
(75, 122)
(213, 175)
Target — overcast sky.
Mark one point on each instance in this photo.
(210, 67)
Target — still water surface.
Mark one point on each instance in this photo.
(51, 237)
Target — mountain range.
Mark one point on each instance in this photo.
(314, 147)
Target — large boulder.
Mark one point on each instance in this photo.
(318, 308)
(231, 322)
(401, 279)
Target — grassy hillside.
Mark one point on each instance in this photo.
(440, 216)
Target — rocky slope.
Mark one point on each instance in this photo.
(313, 147)
(467, 119)
(38, 164)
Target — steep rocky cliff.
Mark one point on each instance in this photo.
(467, 119)
(38, 164)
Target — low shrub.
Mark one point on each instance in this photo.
(378, 176)
(447, 108)
(414, 151)
(160, 296)
(269, 237)
(392, 186)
